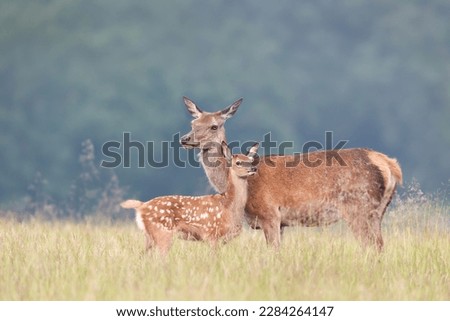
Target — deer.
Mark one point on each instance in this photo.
(210, 218)
(355, 185)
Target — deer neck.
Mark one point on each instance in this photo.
(235, 196)
(215, 167)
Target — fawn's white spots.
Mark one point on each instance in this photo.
(204, 218)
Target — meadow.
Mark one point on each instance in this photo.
(100, 260)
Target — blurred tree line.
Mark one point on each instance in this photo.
(374, 72)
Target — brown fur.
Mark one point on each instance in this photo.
(357, 191)
(208, 218)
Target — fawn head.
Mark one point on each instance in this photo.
(207, 129)
(242, 165)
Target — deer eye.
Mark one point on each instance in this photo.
(214, 127)
(238, 163)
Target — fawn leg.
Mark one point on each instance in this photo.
(163, 239)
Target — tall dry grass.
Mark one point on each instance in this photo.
(88, 260)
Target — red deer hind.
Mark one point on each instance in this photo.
(357, 189)
(208, 218)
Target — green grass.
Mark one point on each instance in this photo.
(41, 260)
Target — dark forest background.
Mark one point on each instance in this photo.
(75, 74)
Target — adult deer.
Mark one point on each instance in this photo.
(208, 218)
(318, 190)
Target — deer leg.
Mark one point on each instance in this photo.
(148, 242)
(163, 240)
(214, 245)
(375, 221)
(272, 232)
(375, 232)
(368, 230)
(373, 236)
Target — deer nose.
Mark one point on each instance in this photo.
(185, 139)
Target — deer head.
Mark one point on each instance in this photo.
(207, 128)
(242, 165)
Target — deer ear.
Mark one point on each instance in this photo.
(253, 150)
(226, 151)
(192, 107)
(230, 110)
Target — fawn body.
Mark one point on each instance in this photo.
(205, 218)
(323, 187)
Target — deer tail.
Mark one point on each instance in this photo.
(389, 168)
(396, 171)
(131, 204)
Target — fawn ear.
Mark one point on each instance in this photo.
(253, 150)
(192, 107)
(230, 110)
(226, 151)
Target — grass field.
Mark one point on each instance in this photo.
(63, 260)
